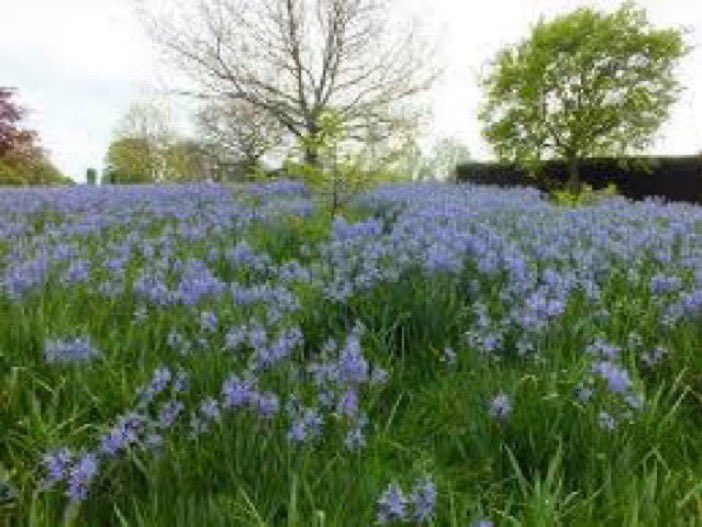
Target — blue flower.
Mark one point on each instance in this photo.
(607, 422)
(356, 436)
(124, 434)
(235, 338)
(181, 382)
(423, 499)
(162, 377)
(209, 322)
(160, 381)
(392, 505)
(297, 432)
(77, 272)
(353, 367)
(237, 392)
(267, 404)
(257, 337)
(617, 378)
(70, 351)
(81, 476)
(348, 403)
(501, 407)
(168, 414)
(662, 284)
(306, 426)
(56, 464)
(209, 409)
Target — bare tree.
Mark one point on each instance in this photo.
(238, 133)
(296, 59)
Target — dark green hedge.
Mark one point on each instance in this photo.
(673, 178)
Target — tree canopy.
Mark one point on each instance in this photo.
(130, 160)
(586, 83)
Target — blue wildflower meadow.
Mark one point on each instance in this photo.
(435, 355)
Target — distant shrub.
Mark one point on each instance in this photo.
(586, 196)
(673, 178)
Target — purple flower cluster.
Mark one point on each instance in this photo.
(609, 386)
(521, 260)
(307, 424)
(539, 254)
(75, 350)
(77, 470)
(340, 380)
(662, 284)
(419, 506)
(140, 428)
(81, 476)
(126, 433)
(139, 228)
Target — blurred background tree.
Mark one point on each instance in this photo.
(139, 151)
(446, 154)
(22, 159)
(189, 160)
(130, 160)
(237, 136)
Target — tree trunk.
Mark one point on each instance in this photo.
(335, 187)
(312, 156)
(573, 183)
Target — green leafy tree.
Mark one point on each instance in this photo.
(584, 84)
(143, 139)
(130, 160)
(188, 160)
(345, 165)
(27, 171)
(325, 175)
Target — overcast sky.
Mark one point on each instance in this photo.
(79, 63)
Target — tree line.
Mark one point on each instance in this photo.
(344, 75)
(334, 91)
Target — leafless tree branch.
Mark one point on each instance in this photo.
(295, 59)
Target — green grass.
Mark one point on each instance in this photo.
(550, 464)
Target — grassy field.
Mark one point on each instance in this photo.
(443, 355)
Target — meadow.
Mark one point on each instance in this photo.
(437, 355)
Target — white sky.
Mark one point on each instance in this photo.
(79, 63)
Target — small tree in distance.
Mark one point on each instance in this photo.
(584, 84)
(446, 154)
(91, 176)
